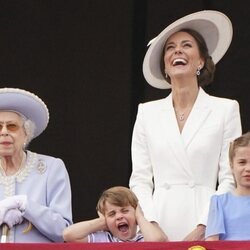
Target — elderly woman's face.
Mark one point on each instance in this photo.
(181, 56)
(12, 134)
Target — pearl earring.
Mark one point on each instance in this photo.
(166, 74)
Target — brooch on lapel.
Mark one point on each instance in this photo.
(41, 167)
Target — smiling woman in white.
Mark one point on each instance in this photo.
(35, 193)
(180, 143)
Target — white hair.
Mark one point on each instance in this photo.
(29, 128)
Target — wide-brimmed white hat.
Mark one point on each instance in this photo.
(214, 26)
(27, 104)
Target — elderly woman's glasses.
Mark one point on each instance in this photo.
(12, 127)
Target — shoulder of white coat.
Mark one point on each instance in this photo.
(223, 104)
(222, 100)
(153, 105)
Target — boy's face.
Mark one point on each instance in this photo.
(121, 221)
(241, 168)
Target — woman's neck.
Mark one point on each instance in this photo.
(12, 164)
(184, 97)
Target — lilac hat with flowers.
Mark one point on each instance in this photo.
(27, 104)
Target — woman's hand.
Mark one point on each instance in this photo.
(198, 234)
(12, 202)
(13, 217)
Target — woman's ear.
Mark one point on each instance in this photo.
(201, 63)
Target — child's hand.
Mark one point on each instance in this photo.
(100, 214)
(103, 221)
(138, 212)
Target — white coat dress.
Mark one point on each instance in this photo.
(174, 174)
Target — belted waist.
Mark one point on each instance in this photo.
(191, 184)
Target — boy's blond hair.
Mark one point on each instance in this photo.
(118, 196)
(242, 141)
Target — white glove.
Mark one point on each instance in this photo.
(16, 201)
(12, 217)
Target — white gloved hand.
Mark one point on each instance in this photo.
(12, 217)
(16, 201)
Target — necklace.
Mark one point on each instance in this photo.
(181, 117)
(15, 171)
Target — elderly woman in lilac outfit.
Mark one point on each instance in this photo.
(35, 193)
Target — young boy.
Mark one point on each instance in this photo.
(229, 214)
(119, 215)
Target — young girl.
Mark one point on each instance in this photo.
(119, 216)
(229, 214)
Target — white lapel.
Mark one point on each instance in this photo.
(197, 117)
(172, 135)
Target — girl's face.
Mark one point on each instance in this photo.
(12, 134)
(181, 56)
(241, 169)
(121, 221)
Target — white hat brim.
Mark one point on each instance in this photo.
(215, 28)
(27, 104)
